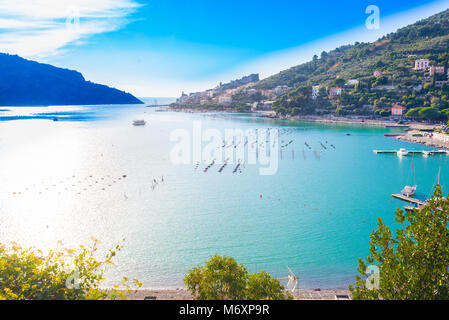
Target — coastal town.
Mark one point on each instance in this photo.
(247, 95)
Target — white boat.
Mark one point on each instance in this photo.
(402, 152)
(139, 123)
(409, 191)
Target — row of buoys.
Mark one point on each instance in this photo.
(70, 184)
(237, 168)
(209, 166)
(223, 166)
(287, 144)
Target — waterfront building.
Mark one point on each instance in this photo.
(397, 110)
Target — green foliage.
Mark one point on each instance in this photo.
(413, 113)
(29, 274)
(429, 113)
(222, 278)
(414, 263)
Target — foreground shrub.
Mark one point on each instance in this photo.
(224, 279)
(414, 264)
(29, 274)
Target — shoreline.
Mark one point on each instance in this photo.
(413, 128)
(321, 119)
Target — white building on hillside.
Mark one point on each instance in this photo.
(421, 64)
(315, 92)
(352, 83)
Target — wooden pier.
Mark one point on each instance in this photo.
(416, 152)
(409, 199)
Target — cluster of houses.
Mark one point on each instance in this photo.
(223, 95)
(333, 93)
(424, 65)
(220, 95)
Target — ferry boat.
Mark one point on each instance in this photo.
(139, 123)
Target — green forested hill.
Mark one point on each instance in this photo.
(394, 55)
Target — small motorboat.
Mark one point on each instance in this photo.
(139, 123)
(402, 152)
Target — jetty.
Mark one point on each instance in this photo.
(397, 126)
(409, 199)
(210, 165)
(393, 135)
(236, 168)
(223, 166)
(413, 152)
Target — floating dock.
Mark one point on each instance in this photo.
(417, 152)
(409, 199)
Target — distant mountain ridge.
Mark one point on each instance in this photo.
(29, 83)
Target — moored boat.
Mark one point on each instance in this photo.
(139, 123)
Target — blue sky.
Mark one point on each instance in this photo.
(161, 47)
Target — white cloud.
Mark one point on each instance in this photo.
(42, 28)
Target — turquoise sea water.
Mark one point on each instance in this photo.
(65, 181)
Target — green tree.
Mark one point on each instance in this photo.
(66, 274)
(427, 86)
(429, 113)
(414, 263)
(222, 278)
(413, 113)
(339, 82)
(385, 112)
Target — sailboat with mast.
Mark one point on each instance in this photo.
(410, 190)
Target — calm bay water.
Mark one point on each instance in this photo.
(65, 181)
